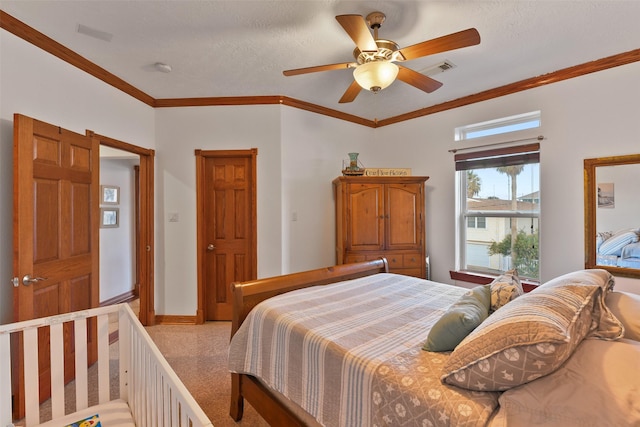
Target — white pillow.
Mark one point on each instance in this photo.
(613, 245)
(597, 386)
(626, 307)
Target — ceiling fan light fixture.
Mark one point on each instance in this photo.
(375, 75)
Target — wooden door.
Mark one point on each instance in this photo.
(227, 226)
(365, 230)
(403, 217)
(55, 235)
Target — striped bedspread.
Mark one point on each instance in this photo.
(341, 351)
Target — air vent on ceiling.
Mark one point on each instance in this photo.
(96, 34)
(446, 65)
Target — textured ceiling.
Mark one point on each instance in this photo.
(240, 48)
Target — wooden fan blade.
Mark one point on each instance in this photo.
(357, 28)
(351, 93)
(453, 41)
(317, 68)
(418, 80)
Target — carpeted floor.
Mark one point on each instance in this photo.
(198, 355)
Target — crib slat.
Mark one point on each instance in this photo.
(103, 359)
(124, 344)
(56, 339)
(147, 379)
(137, 374)
(5, 379)
(156, 393)
(166, 414)
(173, 407)
(82, 384)
(31, 387)
(160, 387)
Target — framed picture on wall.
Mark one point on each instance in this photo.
(109, 217)
(606, 195)
(110, 194)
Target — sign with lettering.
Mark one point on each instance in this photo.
(387, 171)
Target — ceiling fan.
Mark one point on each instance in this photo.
(374, 66)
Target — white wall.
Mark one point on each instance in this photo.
(312, 151)
(41, 86)
(117, 245)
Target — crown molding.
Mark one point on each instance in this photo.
(33, 36)
(531, 83)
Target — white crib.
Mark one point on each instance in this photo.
(151, 394)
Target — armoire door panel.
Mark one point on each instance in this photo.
(403, 223)
(365, 231)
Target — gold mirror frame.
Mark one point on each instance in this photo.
(590, 206)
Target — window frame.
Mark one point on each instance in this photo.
(518, 122)
(506, 156)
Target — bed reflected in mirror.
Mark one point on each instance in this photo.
(612, 214)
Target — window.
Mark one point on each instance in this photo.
(498, 210)
(495, 127)
(476, 222)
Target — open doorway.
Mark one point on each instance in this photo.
(138, 234)
(118, 225)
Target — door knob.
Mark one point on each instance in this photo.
(27, 280)
(210, 247)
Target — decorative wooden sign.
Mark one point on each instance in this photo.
(387, 171)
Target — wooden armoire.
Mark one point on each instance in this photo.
(382, 216)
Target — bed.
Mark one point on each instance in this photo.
(344, 346)
(148, 391)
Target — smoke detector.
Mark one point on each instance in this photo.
(163, 68)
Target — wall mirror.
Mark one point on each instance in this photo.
(612, 214)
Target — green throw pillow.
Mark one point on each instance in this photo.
(459, 320)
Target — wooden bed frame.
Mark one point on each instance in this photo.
(247, 295)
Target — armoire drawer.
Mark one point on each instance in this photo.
(404, 260)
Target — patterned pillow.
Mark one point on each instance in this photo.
(533, 335)
(459, 320)
(614, 244)
(505, 288)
